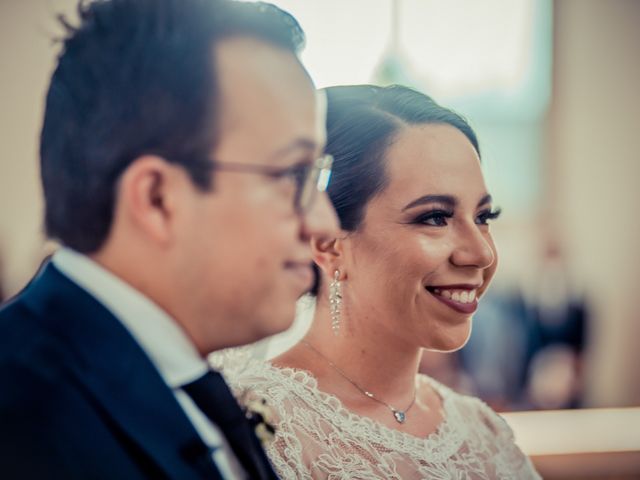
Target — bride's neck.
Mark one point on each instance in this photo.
(376, 360)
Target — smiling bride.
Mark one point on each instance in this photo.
(413, 260)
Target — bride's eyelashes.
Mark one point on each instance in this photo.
(488, 215)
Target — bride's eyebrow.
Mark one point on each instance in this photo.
(487, 199)
(448, 200)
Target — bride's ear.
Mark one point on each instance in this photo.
(328, 254)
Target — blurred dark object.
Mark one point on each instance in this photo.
(556, 343)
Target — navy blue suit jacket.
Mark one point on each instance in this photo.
(79, 399)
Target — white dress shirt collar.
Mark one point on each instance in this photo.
(162, 339)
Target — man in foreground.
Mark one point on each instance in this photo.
(181, 163)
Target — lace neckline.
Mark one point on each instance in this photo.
(315, 431)
(443, 442)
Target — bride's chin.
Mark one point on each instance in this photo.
(451, 340)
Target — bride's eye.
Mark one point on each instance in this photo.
(486, 216)
(434, 218)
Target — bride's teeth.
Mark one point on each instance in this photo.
(460, 296)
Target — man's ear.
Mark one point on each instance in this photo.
(328, 254)
(148, 192)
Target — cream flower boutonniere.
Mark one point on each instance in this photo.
(260, 416)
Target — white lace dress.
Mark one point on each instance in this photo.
(318, 438)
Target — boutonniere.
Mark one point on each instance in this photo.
(261, 417)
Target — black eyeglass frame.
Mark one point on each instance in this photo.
(309, 177)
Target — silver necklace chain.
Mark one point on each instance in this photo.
(399, 415)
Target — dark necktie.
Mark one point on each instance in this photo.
(213, 397)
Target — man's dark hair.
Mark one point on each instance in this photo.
(137, 77)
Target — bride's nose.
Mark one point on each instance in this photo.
(473, 249)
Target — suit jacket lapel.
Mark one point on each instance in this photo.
(118, 377)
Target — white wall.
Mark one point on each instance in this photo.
(26, 59)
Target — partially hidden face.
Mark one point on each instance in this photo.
(246, 251)
(424, 256)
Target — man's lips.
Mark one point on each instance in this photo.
(462, 298)
(302, 271)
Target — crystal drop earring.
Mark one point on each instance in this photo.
(335, 302)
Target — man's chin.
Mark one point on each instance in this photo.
(277, 325)
(248, 330)
(270, 326)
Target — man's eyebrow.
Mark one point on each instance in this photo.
(446, 199)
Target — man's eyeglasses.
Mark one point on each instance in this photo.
(309, 178)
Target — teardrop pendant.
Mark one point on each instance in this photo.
(400, 416)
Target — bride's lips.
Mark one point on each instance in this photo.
(462, 298)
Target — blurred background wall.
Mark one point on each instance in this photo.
(555, 100)
(593, 175)
(26, 60)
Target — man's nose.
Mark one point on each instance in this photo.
(320, 220)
